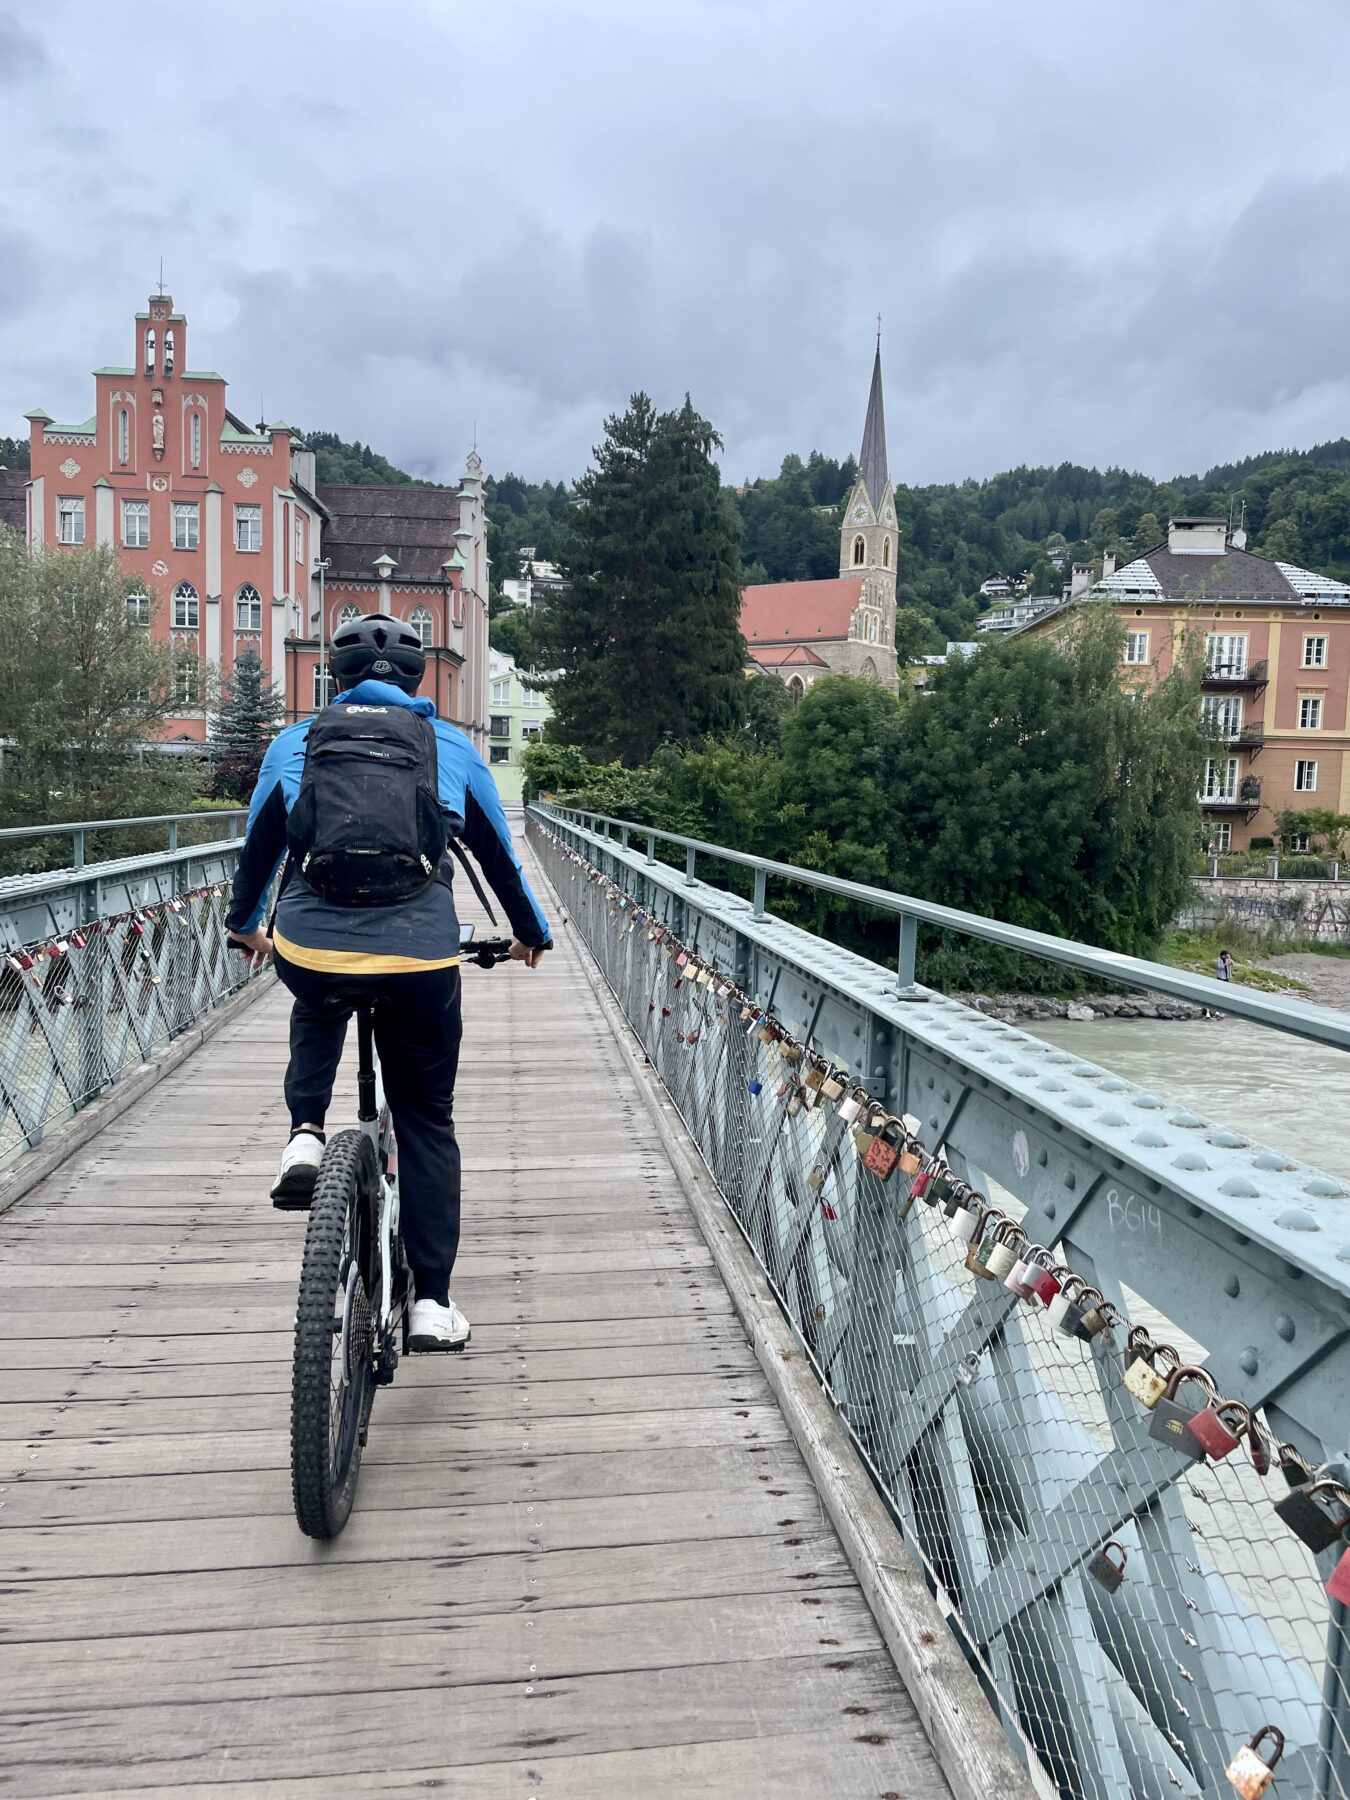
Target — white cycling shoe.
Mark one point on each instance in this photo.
(293, 1188)
(436, 1327)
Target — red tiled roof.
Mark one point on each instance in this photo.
(783, 612)
(776, 656)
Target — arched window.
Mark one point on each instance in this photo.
(168, 351)
(186, 608)
(886, 553)
(195, 440)
(123, 436)
(347, 613)
(859, 549)
(422, 623)
(869, 670)
(248, 609)
(796, 689)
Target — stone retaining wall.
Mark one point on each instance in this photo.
(1275, 910)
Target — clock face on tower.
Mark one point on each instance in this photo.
(859, 513)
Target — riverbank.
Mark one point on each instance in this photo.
(1084, 1007)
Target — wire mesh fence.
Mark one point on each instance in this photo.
(80, 1010)
(1142, 1599)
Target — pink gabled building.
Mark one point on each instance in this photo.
(236, 544)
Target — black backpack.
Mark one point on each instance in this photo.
(367, 827)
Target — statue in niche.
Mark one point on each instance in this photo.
(168, 351)
(157, 434)
(149, 349)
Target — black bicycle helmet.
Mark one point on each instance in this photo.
(379, 646)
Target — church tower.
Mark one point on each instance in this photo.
(868, 547)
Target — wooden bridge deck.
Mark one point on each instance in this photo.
(586, 1558)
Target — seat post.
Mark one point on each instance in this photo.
(365, 1067)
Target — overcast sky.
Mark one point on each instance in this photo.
(1096, 231)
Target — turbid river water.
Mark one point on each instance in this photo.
(1280, 1090)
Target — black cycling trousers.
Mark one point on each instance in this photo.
(417, 1033)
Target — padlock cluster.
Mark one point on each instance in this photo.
(46, 963)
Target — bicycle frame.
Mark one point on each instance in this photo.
(372, 1117)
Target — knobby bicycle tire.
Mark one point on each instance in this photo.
(326, 1451)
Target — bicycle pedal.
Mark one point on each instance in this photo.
(292, 1202)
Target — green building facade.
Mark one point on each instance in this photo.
(516, 715)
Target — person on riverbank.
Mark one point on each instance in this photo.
(1224, 967)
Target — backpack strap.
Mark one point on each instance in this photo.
(474, 882)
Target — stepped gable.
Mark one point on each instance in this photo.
(414, 525)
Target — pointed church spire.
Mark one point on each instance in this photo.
(872, 462)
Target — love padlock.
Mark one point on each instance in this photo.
(1108, 1573)
(1002, 1255)
(1251, 1773)
(883, 1154)
(754, 1085)
(911, 1156)
(1018, 1278)
(1064, 1311)
(850, 1107)
(1097, 1314)
(1318, 1513)
(977, 1255)
(921, 1183)
(1141, 1378)
(1172, 1418)
(1046, 1284)
(1217, 1438)
(968, 1217)
(816, 1179)
(832, 1087)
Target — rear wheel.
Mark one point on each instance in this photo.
(332, 1377)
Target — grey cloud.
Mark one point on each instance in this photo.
(22, 57)
(1085, 238)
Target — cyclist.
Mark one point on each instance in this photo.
(336, 948)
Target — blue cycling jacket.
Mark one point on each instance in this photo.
(416, 934)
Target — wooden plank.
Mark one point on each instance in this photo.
(103, 1609)
(228, 1666)
(271, 1374)
(544, 1338)
(797, 1766)
(414, 1533)
(470, 1480)
(59, 1458)
(309, 1735)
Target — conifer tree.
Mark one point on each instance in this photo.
(645, 635)
(249, 718)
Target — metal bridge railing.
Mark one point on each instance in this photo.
(1138, 1616)
(100, 967)
(78, 830)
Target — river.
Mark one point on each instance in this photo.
(1280, 1090)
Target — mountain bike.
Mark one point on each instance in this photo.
(351, 1318)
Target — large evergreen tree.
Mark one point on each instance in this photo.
(249, 718)
(645, 636)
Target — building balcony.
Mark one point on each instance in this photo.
(1250, 738)
(1245, 798)
(1236, 675)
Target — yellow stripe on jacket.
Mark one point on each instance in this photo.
(355, 962)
